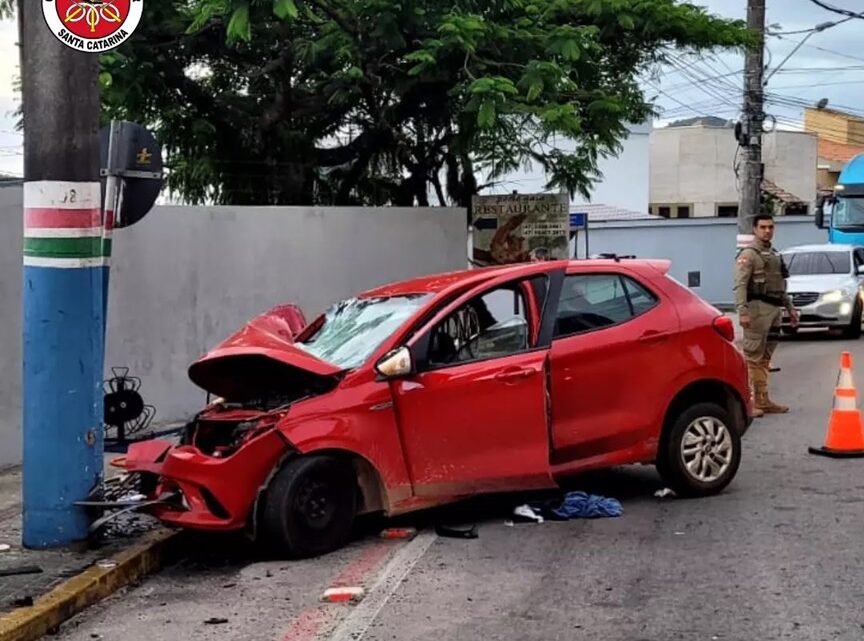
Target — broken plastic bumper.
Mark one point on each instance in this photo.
(210, 493)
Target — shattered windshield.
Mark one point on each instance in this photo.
(355, 328)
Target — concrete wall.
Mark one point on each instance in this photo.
(695, 166)
(11, 232)
(791, 161)
(706, 247)
(184, 278)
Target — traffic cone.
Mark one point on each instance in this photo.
(845, 438)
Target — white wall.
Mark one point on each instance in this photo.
(703, 246)
(791, 159)
(11, 234)
(184, 278)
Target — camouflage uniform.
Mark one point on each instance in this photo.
(760, 293)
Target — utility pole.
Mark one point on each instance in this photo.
(62, 284)
(751, 128)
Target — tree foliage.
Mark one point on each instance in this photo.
(383, 101)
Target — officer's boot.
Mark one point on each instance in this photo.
(763, 402)
(755, 374)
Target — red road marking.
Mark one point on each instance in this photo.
(306, 626)
(360, 568)
(309, 623)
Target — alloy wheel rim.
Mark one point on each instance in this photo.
(706, 449)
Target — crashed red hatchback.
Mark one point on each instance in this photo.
(432, 390)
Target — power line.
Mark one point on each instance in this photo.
(836, 53)
(837, 10)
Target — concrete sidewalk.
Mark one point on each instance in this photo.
(46, 587)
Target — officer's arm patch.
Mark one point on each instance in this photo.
(742, 259)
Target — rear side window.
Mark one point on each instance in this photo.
(593, 301)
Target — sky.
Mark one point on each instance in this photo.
(829, 65)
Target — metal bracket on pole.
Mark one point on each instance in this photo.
(124, 173)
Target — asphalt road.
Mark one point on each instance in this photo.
(777, 556)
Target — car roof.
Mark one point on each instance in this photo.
(437, 283)
(822, 247)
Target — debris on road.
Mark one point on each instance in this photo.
(343, 594)
(5, 547)
(399, 533)
(587, 506)
(23, 602)
(662, 494)
(215, 621)
(526, 514)
(451, 532)
(575, 505)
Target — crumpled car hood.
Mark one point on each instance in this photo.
(257, 360)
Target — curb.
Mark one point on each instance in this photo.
(91, 586)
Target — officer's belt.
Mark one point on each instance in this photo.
(771, 300)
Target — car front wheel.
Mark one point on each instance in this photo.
(701, 453)
(310, 506)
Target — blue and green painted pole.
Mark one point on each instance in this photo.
(62, 295)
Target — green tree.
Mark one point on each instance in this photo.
(381, 101)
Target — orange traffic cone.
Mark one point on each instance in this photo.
(845, 438)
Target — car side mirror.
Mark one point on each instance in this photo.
(396, 364)
(820, 213)
(860, 270)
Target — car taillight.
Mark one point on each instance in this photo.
(724, 326)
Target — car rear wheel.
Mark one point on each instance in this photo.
(701, 453)
(310, 506)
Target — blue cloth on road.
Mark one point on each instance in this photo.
(587, 506)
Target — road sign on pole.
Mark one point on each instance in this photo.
(579, 222)
(131, 182)
(131, 171)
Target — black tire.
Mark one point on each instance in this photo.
(670, 461)
(310, 506)
(853, 332)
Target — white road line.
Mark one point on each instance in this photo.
(354, 626)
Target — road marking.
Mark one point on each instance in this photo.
(310, 623)
(354, 627)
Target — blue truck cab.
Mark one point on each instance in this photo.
(845, 222)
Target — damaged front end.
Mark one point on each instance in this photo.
(210, 480)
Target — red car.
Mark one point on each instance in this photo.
(431, 390)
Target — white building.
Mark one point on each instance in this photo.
(624, 184)
(693, 170)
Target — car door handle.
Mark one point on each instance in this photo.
(514, 374)
(650, 336)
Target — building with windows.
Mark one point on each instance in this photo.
(694, 170)
(841, 138)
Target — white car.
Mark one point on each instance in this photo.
(826, 283)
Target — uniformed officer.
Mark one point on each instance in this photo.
(760, 295)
